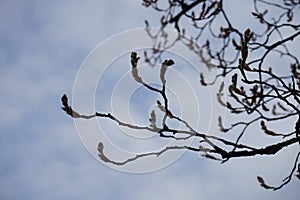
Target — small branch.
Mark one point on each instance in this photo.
(282, 41)
(182, 12)
(285, 181)
(75, 114)
(157, 154)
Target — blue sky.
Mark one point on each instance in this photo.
(42, 46)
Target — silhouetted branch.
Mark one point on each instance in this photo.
(138, 156)
(285, 181)
(254, 89)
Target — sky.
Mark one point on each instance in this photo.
(44, 46)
